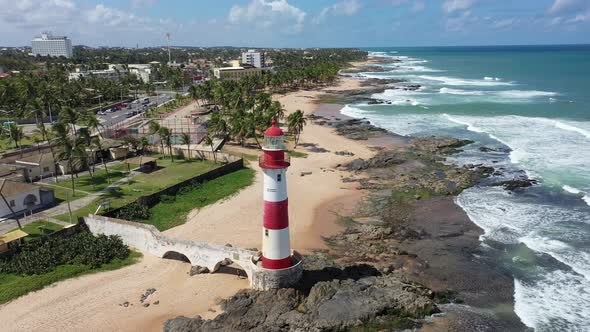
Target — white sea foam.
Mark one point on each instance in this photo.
(487, 78)
(510, 94)
(571, 190)
(559, 301)
(461, 92)
(455, 81)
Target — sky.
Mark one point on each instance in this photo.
(298, 23)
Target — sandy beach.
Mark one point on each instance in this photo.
(93, 302)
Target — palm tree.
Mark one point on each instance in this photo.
(68, 149)
(96, 144)
(154, 128)
(166, 138)
(209, 141)
(143, 143)
(93, 123)
(41, 129)
(295, 123)
(186, 139)
(70, 116)
(16, 134)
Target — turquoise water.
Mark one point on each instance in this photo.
(533, 105)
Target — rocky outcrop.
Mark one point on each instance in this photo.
(517, 184)
(382, 159)
(329, 306)
(357, 129)
(439, 144)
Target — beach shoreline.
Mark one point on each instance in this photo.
(318, 197)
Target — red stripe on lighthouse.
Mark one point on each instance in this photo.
(276, 264)
(276, 214)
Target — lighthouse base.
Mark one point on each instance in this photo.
(265, 279)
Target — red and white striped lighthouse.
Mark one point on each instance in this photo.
(276, 247)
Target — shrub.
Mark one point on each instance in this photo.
(167, 199)
(43, 255)
(133, 211)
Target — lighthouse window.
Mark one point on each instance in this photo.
(266, 232)
(279, 177)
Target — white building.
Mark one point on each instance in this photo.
(253, 58)
(48, 45)
(24, 197)
(115, 71)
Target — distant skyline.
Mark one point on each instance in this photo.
(298, 23)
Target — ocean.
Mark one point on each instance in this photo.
(531, 105)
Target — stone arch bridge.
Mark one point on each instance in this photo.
(147, 238)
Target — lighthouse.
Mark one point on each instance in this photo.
(276, 247)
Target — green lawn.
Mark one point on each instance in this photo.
(93, 184)
(168, 215)
(60, 194)
(170, 173)
(40, 227)
(8, 144)
(13, 286)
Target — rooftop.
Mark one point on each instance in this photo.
(12, 236)
(12, 188)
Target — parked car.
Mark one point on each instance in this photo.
(100, 113)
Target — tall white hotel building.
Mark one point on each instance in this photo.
(48, 45)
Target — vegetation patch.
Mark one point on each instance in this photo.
(170, 173)
(172, 211)
(46, 260)
(40, 228)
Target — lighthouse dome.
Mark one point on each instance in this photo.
(273, 130)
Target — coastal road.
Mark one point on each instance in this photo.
(110, 119)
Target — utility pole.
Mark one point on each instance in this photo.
(169, 58)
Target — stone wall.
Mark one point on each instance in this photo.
(153, 199)
(147, 238)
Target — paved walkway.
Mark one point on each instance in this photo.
(50, 213)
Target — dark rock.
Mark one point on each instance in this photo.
(517, 183)
(145, 305)
(198, 270)
(147, 293)
(330, 305)
(157, 302)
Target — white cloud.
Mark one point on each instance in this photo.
(417, 5)
(342, 8)
(580, 18)
(504, 23)
(563, 6)
(36, 14)
(142, 3)
(450, 6)
(569, 12)
(265, 14)
(458, 23)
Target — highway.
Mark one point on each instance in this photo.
(110, 119)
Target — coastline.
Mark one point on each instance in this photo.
(313, 217)
(451, 256)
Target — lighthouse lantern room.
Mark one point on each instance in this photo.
(276, 247)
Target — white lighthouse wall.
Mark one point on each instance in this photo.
(275, 190)
(276, 244)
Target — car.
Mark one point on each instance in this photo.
(135, 101)
(110, 110)
(100, 113)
